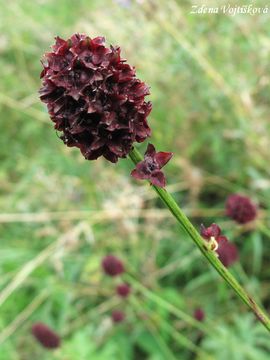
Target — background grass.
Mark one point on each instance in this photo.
(210, 85)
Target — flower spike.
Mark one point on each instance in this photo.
(94, 98)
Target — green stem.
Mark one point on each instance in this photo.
(210, 255)
(166, 305)
(154, 331)
(181, 339)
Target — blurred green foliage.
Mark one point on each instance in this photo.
(210, 85)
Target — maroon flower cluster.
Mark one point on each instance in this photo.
(123, 290)
(240, 208)
(213, 231)
(118, 316)
(150, 167)
(199, 314)
(112, 266)
(94, 98)
(226, 251)
(45, 336)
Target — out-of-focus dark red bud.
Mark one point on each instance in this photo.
(227, 253)
(213, 235)
(213, 230)
(118, 316)
(240, 208)
(45, 336)
(123, 290)
(199, 314)
(112, 266)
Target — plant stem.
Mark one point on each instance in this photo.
(181, 339)
(210, 255)
(180, 314)
(153, 330)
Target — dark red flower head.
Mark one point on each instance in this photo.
(94, 98)
(118, 316)
(226, 251)
(45, 336)
(213, 233)
(112, 265)
(123, 290)
(150, 167)
(240, 208)
(199, 314)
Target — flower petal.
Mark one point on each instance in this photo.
(157, 178)
(227, 253)
(162, 158)
(137, 174)
(221, 240)
(150, 151)
(213, 230)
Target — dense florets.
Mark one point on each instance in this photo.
(240, 208)
(94, 98)
(45, 336)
